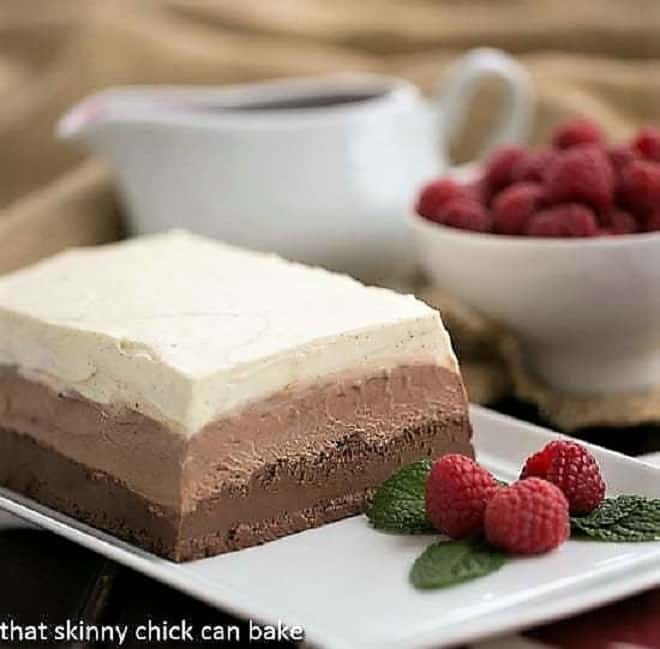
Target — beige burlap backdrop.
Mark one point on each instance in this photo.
(598, 57)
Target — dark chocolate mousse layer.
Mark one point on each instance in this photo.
(294, 461)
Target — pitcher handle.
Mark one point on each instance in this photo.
(461, 83)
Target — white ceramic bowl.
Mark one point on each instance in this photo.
(586, 310)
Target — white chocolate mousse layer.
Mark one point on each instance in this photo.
(185, 329)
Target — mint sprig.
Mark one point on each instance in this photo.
(609, 512)
(624, 519)
(398, 504)
(453, 562)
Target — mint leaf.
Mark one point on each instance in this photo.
(398, 504)
(645, 518)
(453, 562)
(620, 534)
(624, 519)
(610, 511)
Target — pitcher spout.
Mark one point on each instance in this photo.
(85, 117)
(103, 112)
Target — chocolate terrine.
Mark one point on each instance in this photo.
(195, 398)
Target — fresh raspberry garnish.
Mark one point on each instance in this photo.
(457, 491)
(570, 220)
(436, 194)
(582, 174)
(500, 167)
(619, 221)
(572, 468)
(640, 185)
(465, 214)
(576, 132)
(647, 143)
(529, 517)
(532, 167)
(537, 464)
(514, 206)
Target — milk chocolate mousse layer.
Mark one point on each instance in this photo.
(197, 398)
(288, 463)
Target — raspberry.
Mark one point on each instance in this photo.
(576, 132)
(582, 174)
(500, 166)
(570, 220)
(647, 143)
(435, 194)
(514, 206)
(532, 167)
(572, 468)
(457, 491)
(465, 214)
(619, 221)
(529, 517)
(620, 156)
(640, 185)
(652, 223)
(477, 190)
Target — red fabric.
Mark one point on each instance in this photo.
(635, 621)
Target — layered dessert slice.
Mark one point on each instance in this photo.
(196, 398)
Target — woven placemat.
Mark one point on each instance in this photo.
(494, 368)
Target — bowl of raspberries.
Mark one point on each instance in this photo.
(561, 244)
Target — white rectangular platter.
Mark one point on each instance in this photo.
(347, 585)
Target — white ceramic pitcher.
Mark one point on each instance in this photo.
(321, 170)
